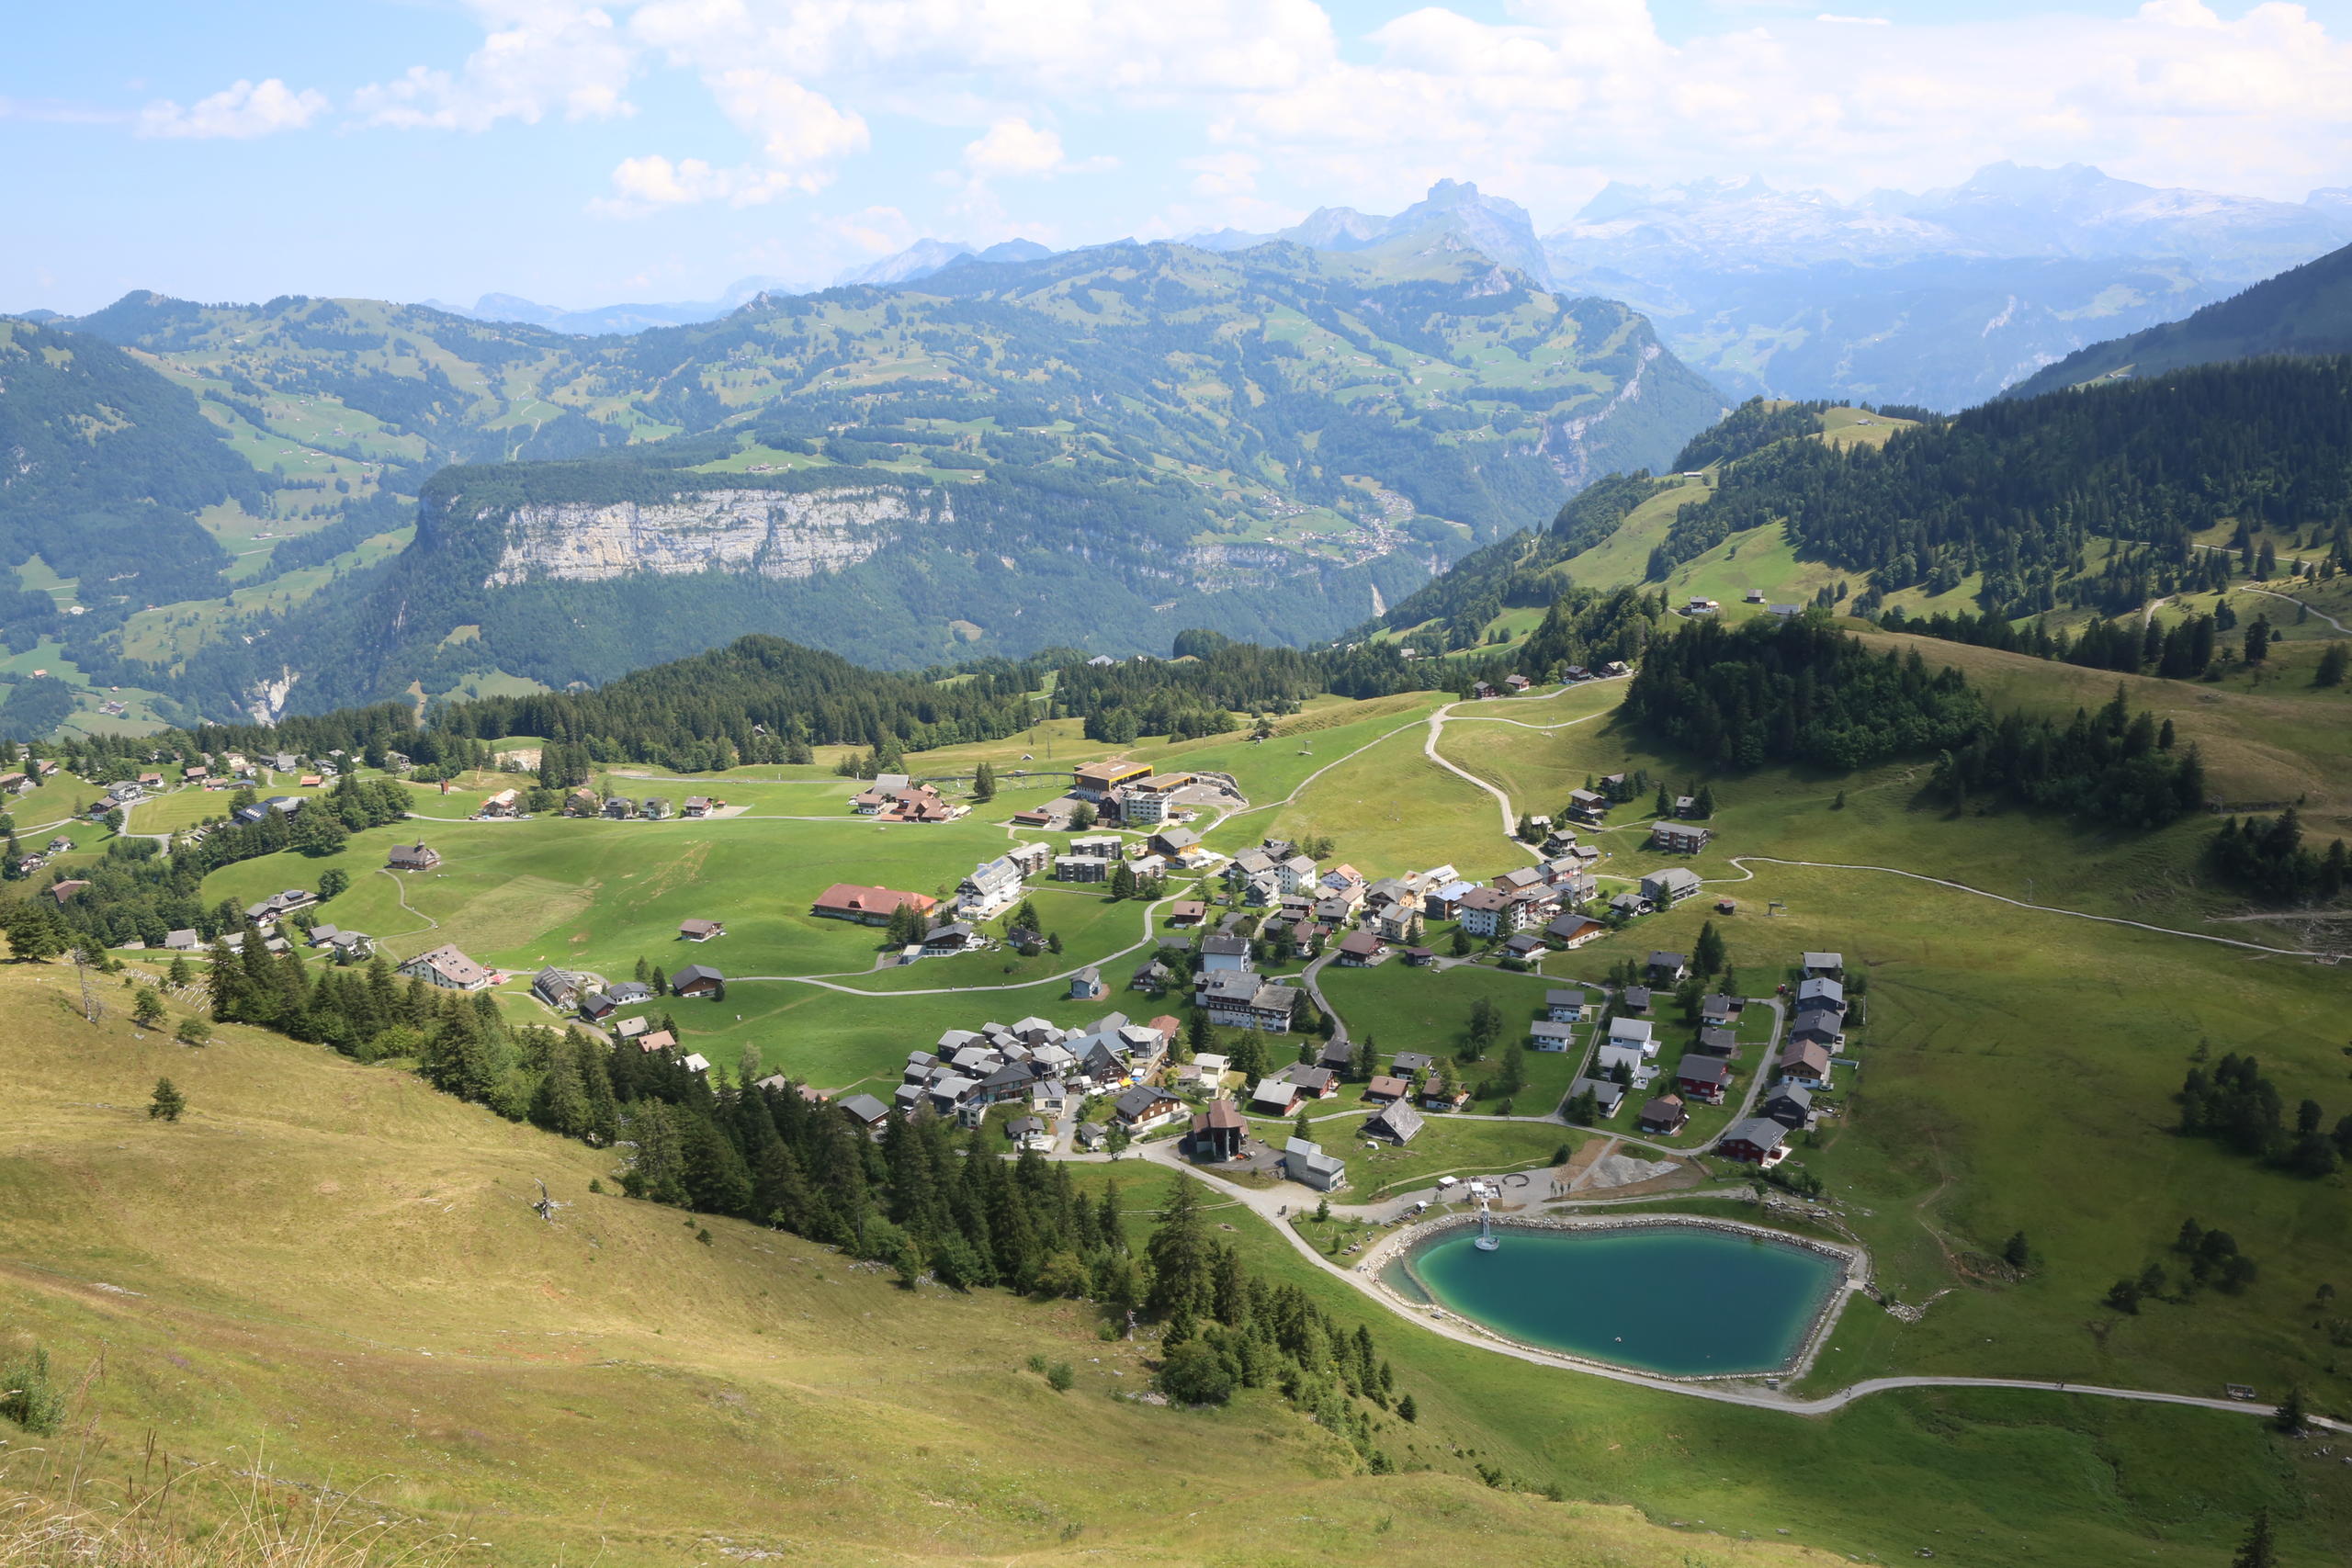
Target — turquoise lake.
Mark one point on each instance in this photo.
(1681, 1300)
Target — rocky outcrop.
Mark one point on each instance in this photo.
(772, 533)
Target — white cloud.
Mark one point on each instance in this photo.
(1015, 147)
(536, 57)
(242, 110)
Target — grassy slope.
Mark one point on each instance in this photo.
(339, 1267)
(2020, 1065)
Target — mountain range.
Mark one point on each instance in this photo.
(1097, 448)
(1940, 298)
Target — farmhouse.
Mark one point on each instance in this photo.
(697, 980)
(1665, 1115)
(553, 987)
(1383, 1089)
(869, 906)
(447, 967)
(1399, 1123)
(1359, 950)
(701, 931)
(410, 857)
(1703, 1078)
(1756, 1141)
(1573, 931)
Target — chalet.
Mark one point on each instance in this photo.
(1669, 968)
(1829, 964)
(447, 967)
(1670, 886)
(344, 947)
(1546, 1035)
(1821, 995)
(697, 980)
(869, 906)
(410, 857)
(557, 988)
(1409, 1062)
(1790, 1104)
(620, 809)
(1087, 986)
(865, 1110)
(1399, 1123)
(1634, 999)
(1419, 957)
(1481, 690)
(1573, 931)
(1718, 1010)
(1566, 1006)
(184, 940)
(1525, 946)
(1028, 1132)
(701, 931)
(580, 802)
(1607, 1095)
(955, 936)
(1360, 950)
(694, 1062)
(1753, 597)
(505, 803)
(695, 805)
(1218, 1132)
(1434, 1099)
(1221, 954)
(1094, 781)
(1703, 1078)
(596, 1006)
(1821, 1028)
(1274, 1097)
(1757, 1141)
(1139, 1110)
(1685, 806)
(1665, 1116)
(631, 1028)
(1155, 978)
(629, 991)
(1173, 841)
(1634, 1035)
(1784, 612)
(1515, 684)
(1314, 1083)
(1804, 1063)
(1306, 1164)
(655, 808)
(1187, 912)
(1383, 1089)
(1519, 879)
(1679, 838)
(1626, 906)
(1722, 1043)
(1586, 806)
(1700, 604)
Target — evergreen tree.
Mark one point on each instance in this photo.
(147, 1007)
(167, 1103)
(2257, 1550)
(659, 982)
(1709, 955)
(984, 783)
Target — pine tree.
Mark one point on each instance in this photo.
(984, 783)
(167, 1103)
(2257, 1550)
(1123, 882)
(659, 982)
(1709, 955)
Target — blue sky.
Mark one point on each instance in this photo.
(581, 154)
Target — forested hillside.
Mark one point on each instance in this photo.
(2017, 489)
(107, 463)
(2305, 310)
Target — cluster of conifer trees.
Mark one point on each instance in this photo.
(2270, 860)
(2237, 1106)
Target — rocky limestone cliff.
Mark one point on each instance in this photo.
(772, 533)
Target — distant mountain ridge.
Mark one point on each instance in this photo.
(1096, 448)
(2307, 310)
